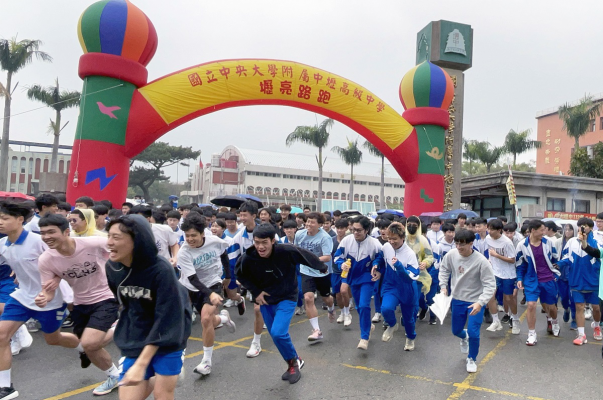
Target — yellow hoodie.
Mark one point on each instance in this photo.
(420, 245)
(90, 225)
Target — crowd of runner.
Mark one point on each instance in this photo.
(140, 275)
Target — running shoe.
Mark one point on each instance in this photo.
(341, 318)
(204, 368)
(300, 310)
(347, 320)
(501, 308)
(32, 325)
(254, 350)
(488, 317)
(495, 326)
(506, 319)
(465, 343)
(315, 336)
(363, 344)
(523, 301)
(422, 314)
(556, 330)
(432, 319)
(566, 315)
(241, 305)
(107, 386)
(515, 329)
(549, 326)
(300, 364)
(389, 333)
(471, 366)
(332, 315)
(15, 348)
(229, 303)
(385, 325)
(410, 345)
(67, 323)
(84, 360)
(376, 317)
(580, 340)
(597, 334)
(532, 339)
(293, 370)
(7, 393)
(588, 313)
(573, 326)
(24, 337)
(229, 324)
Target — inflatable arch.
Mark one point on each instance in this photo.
(121, 114)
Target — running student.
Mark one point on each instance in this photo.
(399, 285)
(342, 296)
(21, 249)
(155, 320)
(218, 229)
(473, 285)
(582, 263)
(46, 204)
(289, 229)
(420, 245)
(81, 262)
(202, 261)
(536, 273)
(268, 270)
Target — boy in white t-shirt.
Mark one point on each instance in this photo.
(166, 239)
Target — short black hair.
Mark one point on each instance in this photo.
(86, 200)
(47, 200)
(107, 203)
(220, 222)
(551, 225)
(289, 224)
(479, 220)
(447, 227)
(249, 206)
(586, 221)
(126, 225)
(461, 216)
(115, 213)
(127, 204)
(364, 221)
(264, 231)
(510, 227)
(436, 220)
(166, 208)
(496, 224)
(100, 209)
(173, 214)
(230, 216)
(307, 208)
(194, 221)
(145, 211)
(159, 217)
(54, 220)
(342, 223)
(502, 218)
(383, 223)
(337, 213)
(600, 215)
(319, 217)
(535, 224)
(15, 210)
(286, 207)
(78, 213)
(464, 236)
(301, 216)
(63, 205)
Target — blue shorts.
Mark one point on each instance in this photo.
(233, 279)
(336, 283)
(546, 291)
(50, 320)
(7, 286)
(161, 364)
(585, 297)
(506, 285)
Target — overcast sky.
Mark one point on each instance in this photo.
(528, 56)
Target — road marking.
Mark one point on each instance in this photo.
(74, 392)
(468, 382)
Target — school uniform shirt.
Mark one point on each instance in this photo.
(165, 238)
(435, 237)
(445, 247)
(32, 225)
(364, 256)
(84, 270)
(320, 244)
(400, 277)
(582, 270)
(479, 245)
(504, 247)
(22, 256)
(527, 267)
(244, 240)
(230, 234)
(205, 261)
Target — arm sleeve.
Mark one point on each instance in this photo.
(379, 261)
(225, 265)
(521, 263)
(591, 251)
(240, 271)
(489, 283)
(428, 253)
(402, 273)
(194, 280)
(444, 271)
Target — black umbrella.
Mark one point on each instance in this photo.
(233, 201)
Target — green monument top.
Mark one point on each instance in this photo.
(447, 44)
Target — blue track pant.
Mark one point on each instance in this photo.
(278, 318)
(389, 304)
(362, 294)
(460, 317)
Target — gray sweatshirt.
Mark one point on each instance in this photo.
(472, 277)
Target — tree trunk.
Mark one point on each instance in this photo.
(576, 145)
(145, 193)
(319, 198)
(4, 173)
(351, 199)
(55, 144)
(382, 192)
(470, 167)
(514, 160)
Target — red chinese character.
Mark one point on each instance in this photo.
(287, 71)
(256, 70)
(380, 107)
(304, 92)
(224, 72)
(324, 97)
(266, 86)
(304, 76)
(344, 89)
(358, 94)
(211, 78)
(272, 70)
(331, 83)
(241, 70)
(286, 87)
(369, 99)
(317, 77)
(195, 80)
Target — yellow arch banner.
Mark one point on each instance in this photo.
(259, 81)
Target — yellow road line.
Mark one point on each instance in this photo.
(468, 382)
(74, 392)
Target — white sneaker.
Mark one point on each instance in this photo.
(501, 309)
(193, 317)
(341, 318)
(204, 368)
(229, 324)
(465, 343)
(556, 330)
(410, 344)
(249, 296)
(495, 326)
(229, 303)
(515, 330)
(532, 339)
(389, 333)
(32, 325)
(347, 320)
(376, 317)
(471, 366)
(588, 313)
(254, 350)
(24, 337)
(15, 347)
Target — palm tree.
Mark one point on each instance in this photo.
(489, 156)
(470, 151)
(576, 119)
(351, 155)
(375, 151)
(13, 57)
(53, 97)
(519, 142)
(317, 136)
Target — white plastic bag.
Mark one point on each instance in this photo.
(440, 306)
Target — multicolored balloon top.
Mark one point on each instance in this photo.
(117, 27)
(426, 85)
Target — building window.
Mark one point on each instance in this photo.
(593, 125)
(582, 206)
(362, 197)
(553, 204)
(601, 123)
(22, 164)
(30, 171)
(13, 166)
(336, 196)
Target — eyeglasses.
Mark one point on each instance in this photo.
(73, 221)
(357, 230)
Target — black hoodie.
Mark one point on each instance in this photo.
(277, 274)
(156, 310)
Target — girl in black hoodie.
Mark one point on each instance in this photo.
(155, 321)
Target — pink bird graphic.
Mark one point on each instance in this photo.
(107, 110)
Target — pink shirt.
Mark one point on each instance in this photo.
(84, 270)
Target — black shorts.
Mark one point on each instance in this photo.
(311, 284)
(198, 299)
(99, 316)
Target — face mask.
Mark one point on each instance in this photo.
(412, 229)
